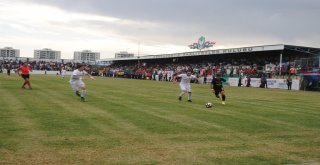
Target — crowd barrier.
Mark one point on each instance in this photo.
(40, 72)
(255, 82)
(272, 83)
(49, 72)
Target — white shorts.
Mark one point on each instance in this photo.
(75, 84)
(185, 87)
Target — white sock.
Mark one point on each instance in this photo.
(181, 94)
(83, 93)
(189, 95)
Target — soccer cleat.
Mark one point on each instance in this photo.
(217, 96)
(223, 102)
(82, 99)
(77, 93)
(180, 98)
(189, 101)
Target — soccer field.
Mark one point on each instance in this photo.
(142, 122)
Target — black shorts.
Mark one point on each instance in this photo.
(218, 90)
(25, 76)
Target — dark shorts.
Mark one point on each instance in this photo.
(25, 76)
(218, 90)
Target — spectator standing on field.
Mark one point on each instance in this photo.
(248, 81)
(240, 81)
(263, 82)
(289, 82)
(9, 67)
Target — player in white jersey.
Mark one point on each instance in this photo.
(76, 81)
(185, 84)
(63, 72)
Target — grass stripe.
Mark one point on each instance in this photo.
(128, 121)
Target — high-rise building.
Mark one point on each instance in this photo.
(47, 53)
(124, 55)
(9, 52)
(86, 55)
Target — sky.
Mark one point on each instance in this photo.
(151, 27)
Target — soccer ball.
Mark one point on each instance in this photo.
(208, 105)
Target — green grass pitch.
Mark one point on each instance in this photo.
(142, 122)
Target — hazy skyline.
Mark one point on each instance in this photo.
(154, 26)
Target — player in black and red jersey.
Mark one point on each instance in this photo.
(217, 87)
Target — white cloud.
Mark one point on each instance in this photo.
(28, 26)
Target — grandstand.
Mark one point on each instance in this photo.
(256, 55)
(270, 60)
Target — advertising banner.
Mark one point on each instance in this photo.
(272, 83)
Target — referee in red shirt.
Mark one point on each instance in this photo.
(25, 69)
